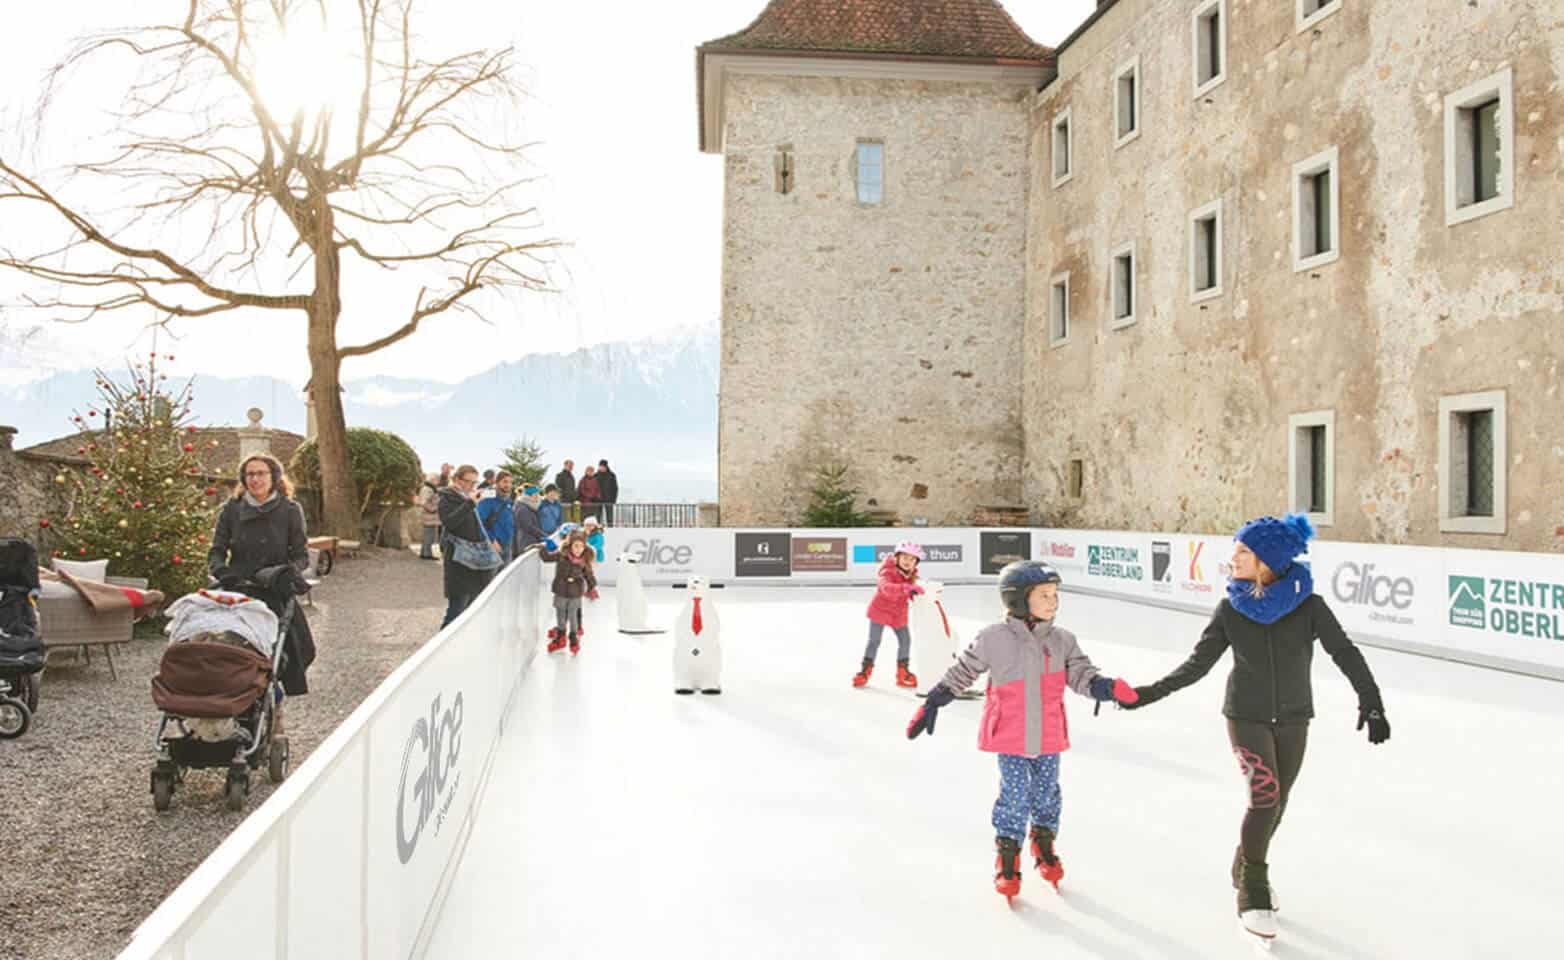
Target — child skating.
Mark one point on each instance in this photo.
(898, 584)
(573, 580)
(1029, 662)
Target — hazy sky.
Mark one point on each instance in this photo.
(612, 86)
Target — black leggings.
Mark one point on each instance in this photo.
(1270, 757)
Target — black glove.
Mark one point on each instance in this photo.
(939, 696)
(1143, 695)
(1374, 715)
(270, 577)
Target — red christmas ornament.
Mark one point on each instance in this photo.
(136, 505)
(178, 559)
(190, 429)
(171, 358)
(92, 413)
(81, 449)
(189, 448)
(44, 523)
(211, 491)
(82, 551)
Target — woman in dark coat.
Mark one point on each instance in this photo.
(1270, 620)
(459, 517)
(263, 526)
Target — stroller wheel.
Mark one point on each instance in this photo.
(237, 790)
(277, 760)
(15, 718)
(162, 789)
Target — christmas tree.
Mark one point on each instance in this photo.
(140, 502)
(831, 500)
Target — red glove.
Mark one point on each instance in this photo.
(1124, 693)
(913, 590)
(592, 594)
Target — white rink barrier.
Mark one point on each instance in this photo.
(351, 856)
(1488, 607)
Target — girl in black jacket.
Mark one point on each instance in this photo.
(1270, 619)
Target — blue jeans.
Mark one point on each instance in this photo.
(1028, 790)
(903, 641)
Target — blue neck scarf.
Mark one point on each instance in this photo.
(1281, 598)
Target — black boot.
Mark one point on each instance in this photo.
(1238, 863)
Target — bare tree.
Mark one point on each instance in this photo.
(414, 174)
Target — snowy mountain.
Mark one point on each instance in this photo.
(648, 406)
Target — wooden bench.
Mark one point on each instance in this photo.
(70, 621)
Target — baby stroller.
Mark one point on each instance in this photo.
(21, 648)
(217, 684)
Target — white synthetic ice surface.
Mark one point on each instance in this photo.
(790, 816)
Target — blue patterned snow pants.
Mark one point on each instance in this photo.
(1028, 790)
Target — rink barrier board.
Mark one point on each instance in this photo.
(1500, 609)
(352, 855)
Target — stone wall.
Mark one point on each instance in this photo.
(1181, 419)
(28, 492)
(885, 337)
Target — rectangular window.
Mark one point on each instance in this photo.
(1122, 297)
(1311, 12)
(871, 172)
(1075, 479)
(1209, 26)
(1316, 214)
(1205, 252)
(1480, 149)
(1472, 463)
(1063, 149)
(1311, 461)
(1126, 103)
(1059, 309)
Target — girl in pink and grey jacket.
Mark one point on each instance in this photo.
(1029, 661)
(898, 585)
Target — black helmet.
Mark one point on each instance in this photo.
(1017, 579)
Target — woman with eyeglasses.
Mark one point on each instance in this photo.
(459, 516)
(263, 527)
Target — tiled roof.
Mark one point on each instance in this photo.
(217, 462)
(978, 29)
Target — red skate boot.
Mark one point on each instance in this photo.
(1007, 867)
(556, 640)
(1048, 862)
(861, 678)
(905, 677)
(575, 644)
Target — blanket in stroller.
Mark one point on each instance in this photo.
(203, 678)
(222, 611)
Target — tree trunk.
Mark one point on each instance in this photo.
(339, 500)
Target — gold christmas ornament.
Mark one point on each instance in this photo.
(123, 524)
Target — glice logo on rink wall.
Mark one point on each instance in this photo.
(1384, 595)
(435, 743)
(1119, 563)
(1522, 608)
(660, 557)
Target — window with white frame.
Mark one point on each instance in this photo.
(869, 171)
(1121, 298)
(1205, 252)
(1311, 463)
(1063, 149)
(1480, 149)
(1472, 463)
(1208, 24)
(1059, 309)
(1311, 12)
(1126, 103)
(1316, 213)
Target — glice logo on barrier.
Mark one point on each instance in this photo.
(662, 557)
(1359, 585)
(436, 741)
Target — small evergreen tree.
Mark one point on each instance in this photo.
(831, 500)
(140, 502)
(524, 462)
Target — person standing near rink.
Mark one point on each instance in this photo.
(1270, 618)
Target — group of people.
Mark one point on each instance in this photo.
(1270, 620)
(460, 509)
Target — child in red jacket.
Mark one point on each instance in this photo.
(898, 584)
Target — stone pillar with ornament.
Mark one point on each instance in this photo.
(254, 439)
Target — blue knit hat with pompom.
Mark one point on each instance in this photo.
(1275, 541)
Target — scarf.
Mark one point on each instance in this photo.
(250, 499)
(1281, 598)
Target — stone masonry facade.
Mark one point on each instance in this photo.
(885, 337)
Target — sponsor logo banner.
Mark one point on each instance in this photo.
(427, 788)
(995, 549)
(1517, 608)
(819, 554)
(1162, 566)
(1059, 554)
(661, 556)
(762, 555)
(1196, 575)
(1385, 597)
(932, 552)
(1114, 563)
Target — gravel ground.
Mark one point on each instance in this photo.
(87, 858)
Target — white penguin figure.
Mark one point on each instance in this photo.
(630, 595)
(697, 644)
(936, 642)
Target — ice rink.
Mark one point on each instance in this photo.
(790, 816)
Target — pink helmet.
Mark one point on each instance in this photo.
(909, 548)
